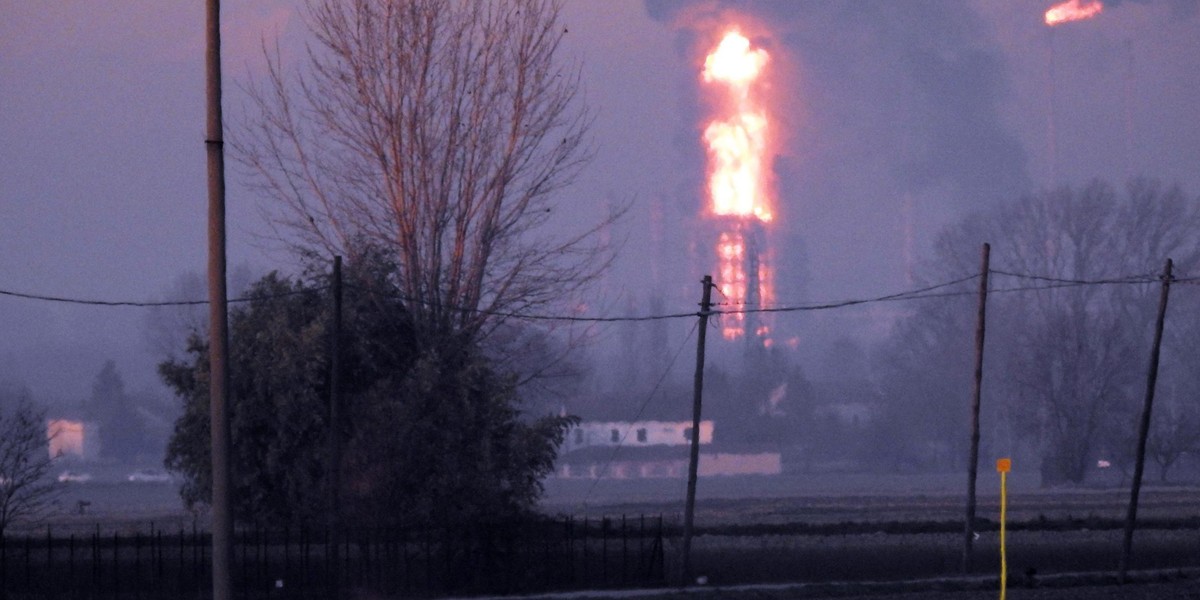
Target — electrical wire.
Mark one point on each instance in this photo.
(525, 316)
(906, 295)
(64, 300)
(1141, 278)
(916, 294)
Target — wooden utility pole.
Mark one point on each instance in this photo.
(694, 461)
(1144, 426)
(335, 419)
(976, 392)
(218, 331)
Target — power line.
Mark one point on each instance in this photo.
(87, 302)
(1141, 278)
(915, 294)
(524, 316)
(906, 295)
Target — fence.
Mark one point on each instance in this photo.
(496, 558)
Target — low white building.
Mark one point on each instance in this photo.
(635, 434)
(652, 449)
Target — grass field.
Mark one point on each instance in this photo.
(808, 528)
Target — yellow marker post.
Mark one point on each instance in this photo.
(1003, 466)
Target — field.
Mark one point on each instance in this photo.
(825, 530)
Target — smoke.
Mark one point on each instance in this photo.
(930, 113)
(892, 114)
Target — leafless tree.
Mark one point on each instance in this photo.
(1072, 315)
(1079, 356)
(26, 491)
(442, 131)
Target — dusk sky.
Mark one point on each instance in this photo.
(897, 118)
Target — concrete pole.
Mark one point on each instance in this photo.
(218, 344)
(976, 393)
(335, 419)
(693, 464)
(1144, 426)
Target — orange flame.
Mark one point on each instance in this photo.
(737, 142)
(1073, 10)
(738, 180)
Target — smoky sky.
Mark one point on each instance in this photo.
(900, 118)
(910, 80)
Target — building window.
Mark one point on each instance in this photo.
(641, 433)
(616, 436)
(687, 434)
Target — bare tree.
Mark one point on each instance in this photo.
(442, 132)
(26, 491)
(1081, 349)
(1076, 271)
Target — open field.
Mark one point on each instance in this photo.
(833, 498)
(820, 530)
(827, 528)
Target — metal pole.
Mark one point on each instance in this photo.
(973, 461)
(693, 462)
(222, 517)
(1144, 426)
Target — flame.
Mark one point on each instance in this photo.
(733, 62)
(738, 149)
(1073, 10)
(737, 142)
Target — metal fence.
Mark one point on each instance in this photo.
(492, 558)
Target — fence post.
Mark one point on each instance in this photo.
(287, 562)
(624, 552)
(137, 563)
(604, 551)
(661, 550)
(642, 545)
(569, 530)
(70, 561)
(161, 559)
(304, 557)
(49, 556)
(96, 558)
(116, 565)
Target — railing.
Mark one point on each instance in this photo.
(492, 558)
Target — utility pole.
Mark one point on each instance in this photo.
(218, 344)
(694, 461)
(976, 392)
(1144, 426)
(335, 419)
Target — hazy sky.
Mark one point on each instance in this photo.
(900, 117)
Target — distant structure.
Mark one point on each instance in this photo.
(739, 144)
(652, 449)
(66, 437)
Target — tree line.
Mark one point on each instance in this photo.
(1066, 356)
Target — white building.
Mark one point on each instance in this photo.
(635, 434)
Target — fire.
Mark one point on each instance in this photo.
(738, 142)
(1073, 10)
(733, 62)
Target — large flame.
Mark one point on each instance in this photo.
(1073, 10)
(738, 150)
(737, 140)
